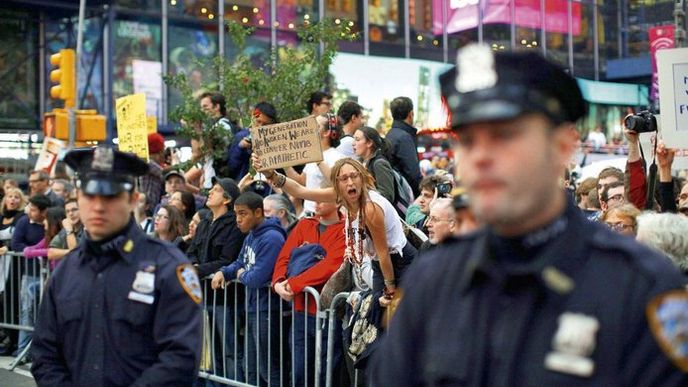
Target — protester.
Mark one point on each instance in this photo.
(254, 269)
(350, 115)
(185, 202)
(13, 204)
(152, 182)
(403, 141)
(278, 206)
(519, 302)
(62, 188)
(441, 222)
(144, 220)
(69, 236)
(667, 233)
(319, 103)
(613, 195)
(170, 226)
(372, 222)
(431, 187)
(622, 219)
(373, 151)
(219, 238)
(322, 234)
(39, 184)
(606, 177)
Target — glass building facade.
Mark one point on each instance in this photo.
(127, 40)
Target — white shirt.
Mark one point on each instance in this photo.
(315, 178)
(396, 239)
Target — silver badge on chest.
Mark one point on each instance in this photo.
(574, 343)
(144, 282)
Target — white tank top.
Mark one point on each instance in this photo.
(396, 240)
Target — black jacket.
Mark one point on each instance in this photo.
(402, 138)
(217, 243)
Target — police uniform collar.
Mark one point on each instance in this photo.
(122, 244)
(554, 268)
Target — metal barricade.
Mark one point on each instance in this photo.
(22, 283)
(246, 345)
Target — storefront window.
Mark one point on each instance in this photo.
(426, 41)
(608, 33)
(350, 12)
(199, 9)
(583, 42)
(190, 51)
(136, 48)
(386, 28)
(141, 5)
(19, 75)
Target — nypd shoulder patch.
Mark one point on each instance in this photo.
(667, 315)
(188, 278)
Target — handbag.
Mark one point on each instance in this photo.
(341, 281)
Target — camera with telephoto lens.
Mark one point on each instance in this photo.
(643, 122)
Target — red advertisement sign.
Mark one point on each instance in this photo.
(660, 38)
(463, 14)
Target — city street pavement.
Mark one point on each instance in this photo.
(20, 377)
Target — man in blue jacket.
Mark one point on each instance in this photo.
(254, 269)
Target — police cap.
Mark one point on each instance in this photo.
(104, 170)
(486, 86)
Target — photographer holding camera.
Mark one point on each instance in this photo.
(432, 187)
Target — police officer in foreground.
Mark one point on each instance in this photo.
(122, 308)
(539, 296)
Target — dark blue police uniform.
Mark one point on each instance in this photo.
(568, 304)
(119, 312)
(471, 315)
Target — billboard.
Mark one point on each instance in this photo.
(463, 14)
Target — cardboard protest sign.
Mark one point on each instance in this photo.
(288, 143)
(132, 124)
(47, 159)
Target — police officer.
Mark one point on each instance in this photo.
(539, 296)
(122, 308)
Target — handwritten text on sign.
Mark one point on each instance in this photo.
(681, 95)
(132, 125)
(287, 144)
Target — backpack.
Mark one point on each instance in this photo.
(403, 194)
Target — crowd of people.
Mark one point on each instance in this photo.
(339, 225)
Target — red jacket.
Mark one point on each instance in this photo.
(637, 184)
(306, 231)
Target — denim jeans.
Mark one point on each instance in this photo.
(303, 347)
(227, 328)
(28, 295)
(260, 328)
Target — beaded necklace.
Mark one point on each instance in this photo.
(354, 240)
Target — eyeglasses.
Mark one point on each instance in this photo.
(434, 219)
(619, 226)
(352, 176)
(161, 216)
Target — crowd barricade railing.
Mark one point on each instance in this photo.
(22, 284)
(248, 346)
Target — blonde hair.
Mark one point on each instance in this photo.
(22, 199)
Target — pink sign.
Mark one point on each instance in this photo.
(660, 38)
(463, 14)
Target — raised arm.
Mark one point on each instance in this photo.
(293, 188)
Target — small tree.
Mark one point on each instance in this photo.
(285, 80)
